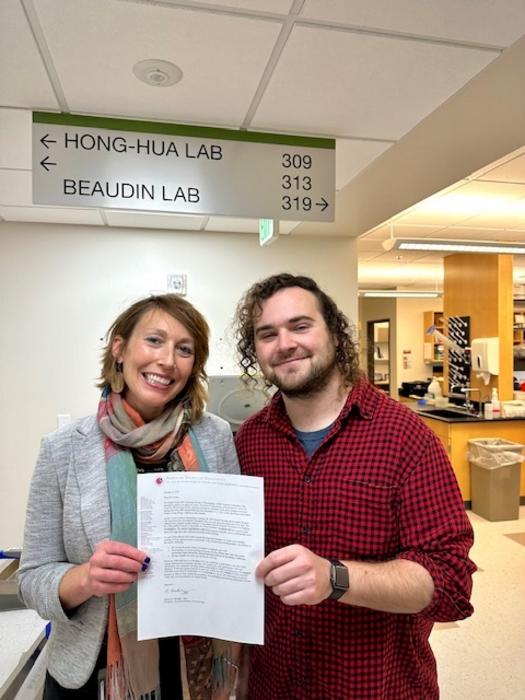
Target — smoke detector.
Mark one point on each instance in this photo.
(158, 73)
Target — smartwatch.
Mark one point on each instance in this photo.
(339, 579)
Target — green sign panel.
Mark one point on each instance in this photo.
(84, 161)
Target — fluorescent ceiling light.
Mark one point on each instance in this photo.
(399, 293)
(452, 246)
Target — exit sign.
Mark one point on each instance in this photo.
(268, 231)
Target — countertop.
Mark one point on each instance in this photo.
(459, 417)
(21, 631)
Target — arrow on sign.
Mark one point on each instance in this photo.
(323, 204)
(45, 162)
(45, 140)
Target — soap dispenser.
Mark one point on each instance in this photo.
(496, 406)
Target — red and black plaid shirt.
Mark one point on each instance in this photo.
(379, 487)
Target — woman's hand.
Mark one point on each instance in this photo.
(113, 567)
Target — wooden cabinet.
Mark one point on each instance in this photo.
(433, 349)
(519, 327)
(455, 437)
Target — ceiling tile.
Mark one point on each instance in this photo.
(90, 217)
(23, 78)
(376, 87)
(496, 22)
(222, 58)
(15, 138)
(135, 219)
(352, 156)
(483, 200)
(502, 220)
(511, 172)
(402, 230)
(481, 233)
(435, 217)
(497, 192)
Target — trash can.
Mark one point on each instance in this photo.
(495, 476)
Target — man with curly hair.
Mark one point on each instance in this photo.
(367, 539)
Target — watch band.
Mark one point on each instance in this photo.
(339, 579)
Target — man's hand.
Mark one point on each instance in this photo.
(296, 575)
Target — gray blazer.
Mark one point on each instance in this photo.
(67, 516)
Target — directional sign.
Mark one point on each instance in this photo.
(123, 164)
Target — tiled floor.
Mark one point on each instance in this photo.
(483, 658)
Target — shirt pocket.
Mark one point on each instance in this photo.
(365, 520)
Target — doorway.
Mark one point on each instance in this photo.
(378, 353)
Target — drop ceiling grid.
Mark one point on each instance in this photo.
(23, 79)
(347, 84)
(277, 6)
(499, 22)
(222, 58)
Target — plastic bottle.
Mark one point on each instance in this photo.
(496, 406)
(434, 389)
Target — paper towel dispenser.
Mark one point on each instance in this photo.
(484, 353)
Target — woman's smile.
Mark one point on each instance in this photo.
(157, 379)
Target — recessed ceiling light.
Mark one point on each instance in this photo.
(158, 73)
(399, 293)
(453, 246)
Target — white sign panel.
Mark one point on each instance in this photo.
(98, 162)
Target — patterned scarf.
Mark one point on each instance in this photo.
(133, 666)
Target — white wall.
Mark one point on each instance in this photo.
(61, 287)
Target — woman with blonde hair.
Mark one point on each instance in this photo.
(80, 563)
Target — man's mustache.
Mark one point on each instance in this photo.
(286, 357)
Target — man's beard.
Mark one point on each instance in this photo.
(314, 382)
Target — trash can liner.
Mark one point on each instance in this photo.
(494, 460)
(485, 448)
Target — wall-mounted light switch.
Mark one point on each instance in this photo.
(176, 283)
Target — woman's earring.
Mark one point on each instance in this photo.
(117, 380)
